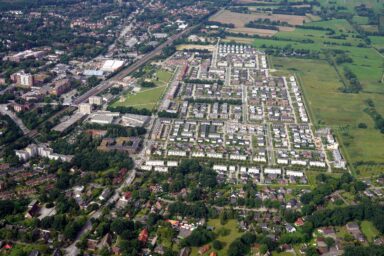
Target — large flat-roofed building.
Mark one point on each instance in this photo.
(101, 119)
(66, 124)
(112, 65)
(135, 120)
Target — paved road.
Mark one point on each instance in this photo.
(72, 250)
(4, 110)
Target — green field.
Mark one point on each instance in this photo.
(162, 77)
(367, 61)
(369, 230)
(146, 98)
(340, 111)
(350, 4)
(234, 233)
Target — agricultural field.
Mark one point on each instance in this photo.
(377, 42)
(350, 4)
(332, 108)
(239, 20)
(366, 61)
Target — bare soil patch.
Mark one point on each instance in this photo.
(240, 19)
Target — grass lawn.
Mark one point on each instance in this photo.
(147, 98)
(234, 233)
(341, 232)
(163, 77)
(369, 230)
(311, 175)
(340, 111)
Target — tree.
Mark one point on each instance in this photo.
(290, 216)
(311, 251)
(329, 241)
(198, 237)
(362, 126)
(238, 248)
(263, 249)
(120, 225)
(248, 238)
(223, 217)
(217, 245)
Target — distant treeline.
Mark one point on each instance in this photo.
(267, 24)
(354, 85)
(376, 116)
(216, 23)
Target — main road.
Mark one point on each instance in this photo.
(125, 72)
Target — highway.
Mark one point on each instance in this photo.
(125, 72)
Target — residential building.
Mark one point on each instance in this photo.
(85, 108)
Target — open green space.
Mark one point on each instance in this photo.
(162, 77)
(377, 41)
(331, 108)
(369, 230)
(147, 98)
